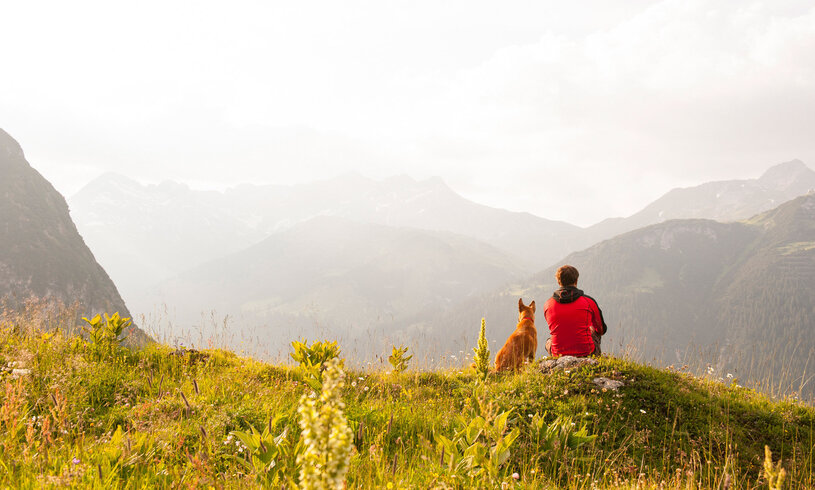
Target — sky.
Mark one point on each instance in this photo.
(576, 111)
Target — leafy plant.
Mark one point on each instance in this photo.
(554, 439)
(313, 359)
(479, 447)
(271, 458)
(482, 353)
(398, 359)
(105, 335)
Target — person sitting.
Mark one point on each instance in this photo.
(575, 321)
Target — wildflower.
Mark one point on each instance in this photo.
(75, 461)
(729, 376)
(516, 475)
(481, 353)
(531, 415)
(366, 388)
(642, 411)
(327, 438)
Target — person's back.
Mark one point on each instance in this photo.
(575, 320)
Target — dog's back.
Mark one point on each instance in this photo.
(522, 343)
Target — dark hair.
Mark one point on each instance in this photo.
(567, 276)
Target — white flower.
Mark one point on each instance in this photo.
(366, 388)
(354, 384)
(642, 411)
(516, 475)
(326, 436)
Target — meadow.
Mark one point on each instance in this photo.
(84, 411)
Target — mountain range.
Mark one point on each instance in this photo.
(338, 278)
(145, 234)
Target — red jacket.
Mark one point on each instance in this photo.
(572, 316)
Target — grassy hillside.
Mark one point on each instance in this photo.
(72, 413)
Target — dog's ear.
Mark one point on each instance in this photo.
(520, 304)
(532, 305)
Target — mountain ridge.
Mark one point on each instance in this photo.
(41, 253)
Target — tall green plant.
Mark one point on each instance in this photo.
(482, 353)
(328, 440)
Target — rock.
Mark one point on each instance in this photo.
(548, 364)
(565, 362)
(608, 384)
(192, 355)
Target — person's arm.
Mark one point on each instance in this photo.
(598, 322)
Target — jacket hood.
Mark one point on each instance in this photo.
(567, 294)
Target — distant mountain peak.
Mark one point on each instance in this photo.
(785, 173)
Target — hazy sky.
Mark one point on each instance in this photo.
(569, 110)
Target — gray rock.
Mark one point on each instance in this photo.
(548, 364)
(608, 384)
(565, 362)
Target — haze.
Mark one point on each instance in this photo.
(567, 111)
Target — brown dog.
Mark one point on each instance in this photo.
(523, 342)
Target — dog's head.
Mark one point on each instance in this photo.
(526, 311)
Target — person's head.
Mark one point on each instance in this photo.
(567, 276)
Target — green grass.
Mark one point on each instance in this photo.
(58, 425)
